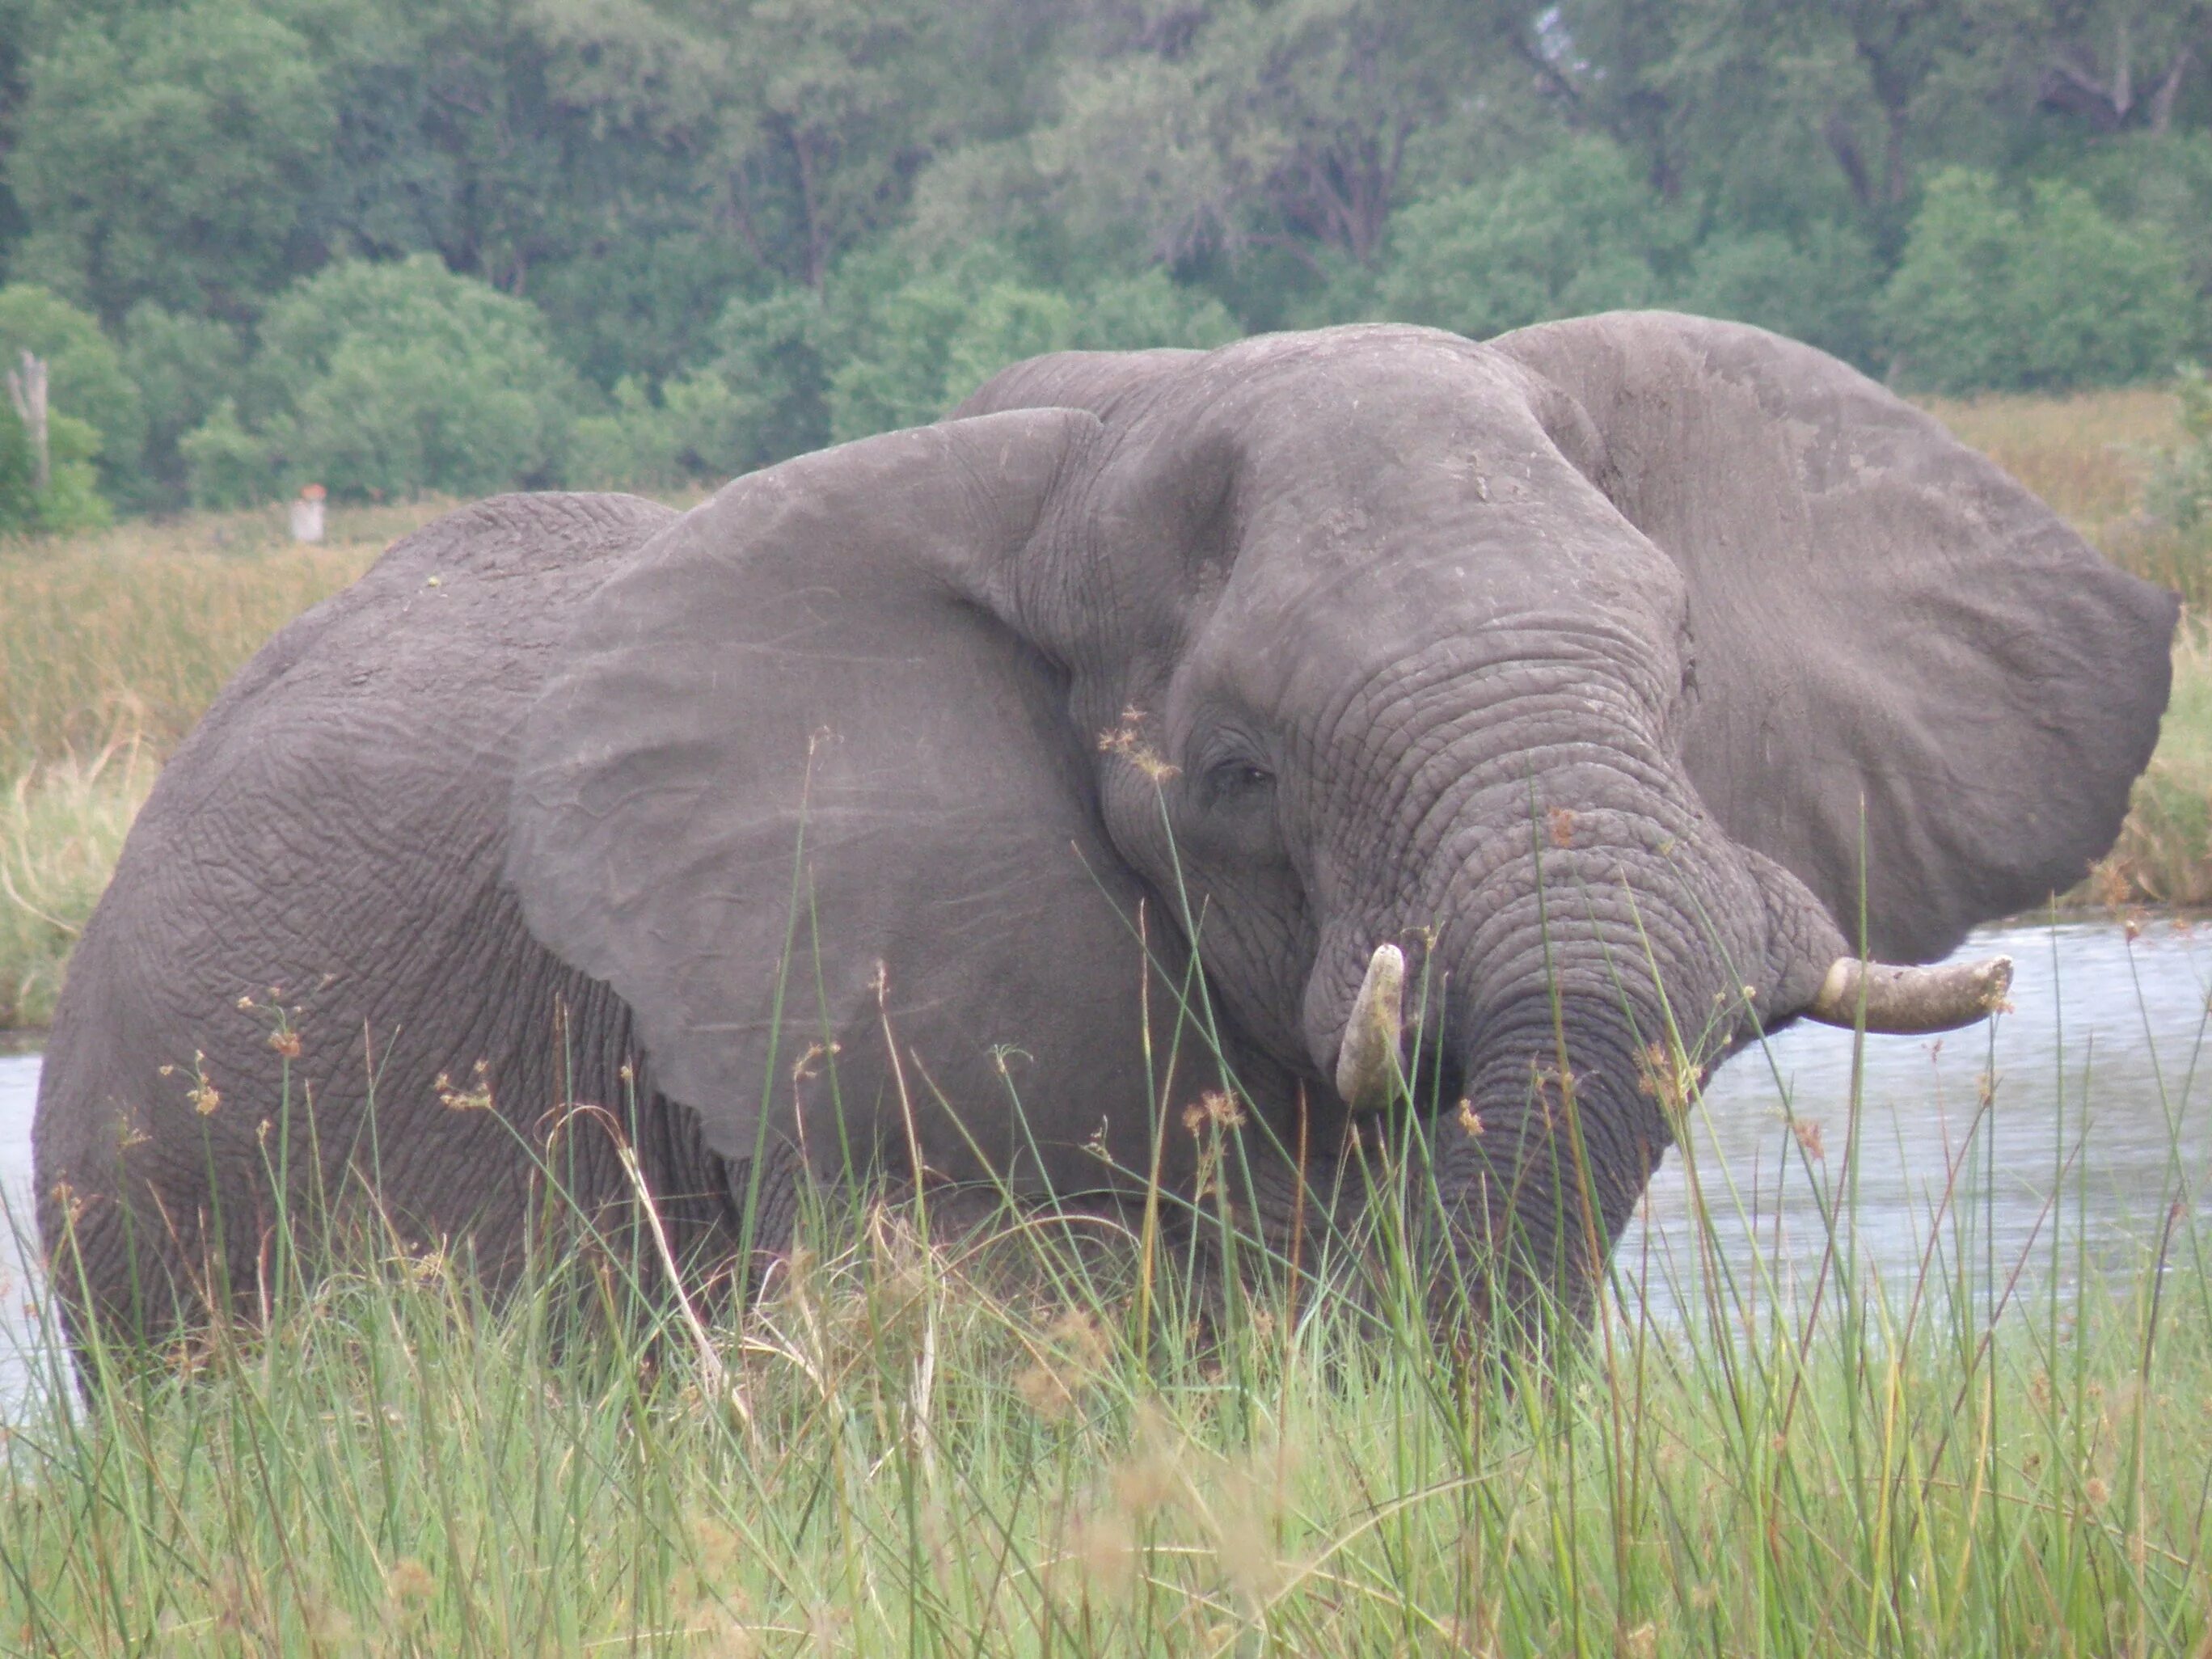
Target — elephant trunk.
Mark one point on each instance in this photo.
(1549, 1111)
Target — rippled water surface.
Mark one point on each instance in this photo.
(2080, 1118)
(2097, 1127)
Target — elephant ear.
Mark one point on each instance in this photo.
(1880, 619)
(808, 800)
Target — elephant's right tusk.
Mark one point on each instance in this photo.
(1367, 1062)
(1904, 1001)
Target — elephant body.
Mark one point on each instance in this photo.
(987, 796)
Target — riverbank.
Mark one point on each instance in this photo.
(111, 644)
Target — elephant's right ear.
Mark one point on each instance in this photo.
(800, 749)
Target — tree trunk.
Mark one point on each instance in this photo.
(27, 389)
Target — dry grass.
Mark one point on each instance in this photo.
(2088, 454)
(129, 633)
(62, 826)
(2164, 856)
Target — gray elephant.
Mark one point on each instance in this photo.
(1475, 716)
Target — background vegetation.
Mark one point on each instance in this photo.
(392, 248)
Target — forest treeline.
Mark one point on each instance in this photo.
(397, 246)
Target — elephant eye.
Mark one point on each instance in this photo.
(1236, 779)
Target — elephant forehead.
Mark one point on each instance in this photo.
(1400, 480)
(1451, 580)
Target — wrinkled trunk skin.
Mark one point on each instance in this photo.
(1533, 1202)
(1586, 937)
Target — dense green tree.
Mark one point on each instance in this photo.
(1576, 231)
(182, 367)
(1822, 286)
(722, 232)
(165, 155)
(2106, 66)
(384, 380)
(776, 355)
(694, 430)
(1131, 313)
(85, 380)
(2043, 294)
(1285, 124)
(836, 102)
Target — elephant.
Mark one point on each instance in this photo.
(1334, 732)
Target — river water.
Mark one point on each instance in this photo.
(2095, 1142)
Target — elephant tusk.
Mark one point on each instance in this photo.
(1902, 1002)
(1367, 1062)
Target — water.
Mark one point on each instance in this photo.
(19, 1092)
(2104, 1068)
(2104, 1062)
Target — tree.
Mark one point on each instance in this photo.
(2112, 65)
(389, 380)
(1820, 287)
(164, 156)
(838, 103)
(1283, 124)
(1576, 231)
(85, 381)
(1995, 293)
(182, 367)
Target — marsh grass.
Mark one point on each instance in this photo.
(2164, 854)
(108, 641)
(2088, 454)
(997, 1444)
(62, 825)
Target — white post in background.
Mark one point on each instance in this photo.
(27, 389)
(307, 515)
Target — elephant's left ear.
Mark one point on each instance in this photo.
(1901, 660)
(802, 791)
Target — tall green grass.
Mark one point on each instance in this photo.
(62, 825)
(987, 1444)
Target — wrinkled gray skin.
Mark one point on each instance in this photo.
(1599, 659)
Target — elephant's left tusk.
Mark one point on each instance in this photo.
(1367, 1062)
(1904, 1001)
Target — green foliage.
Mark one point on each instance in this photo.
(693, 431)
(776, 356)
(2043, 294)
(2181, 487)
(2161, 182)
(1576, 231)
(1131, 314)
(86, 378)
(1007, 323)
(71, 500)
(804, 219)
(182, 366)
(642, 305)
(829, 94)
(19, 505)
(1821, 289)
(165, 154)
(226, 466)
(385, 381)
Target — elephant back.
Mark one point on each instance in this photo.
(318, 869)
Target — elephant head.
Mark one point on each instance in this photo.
(1509, 716)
